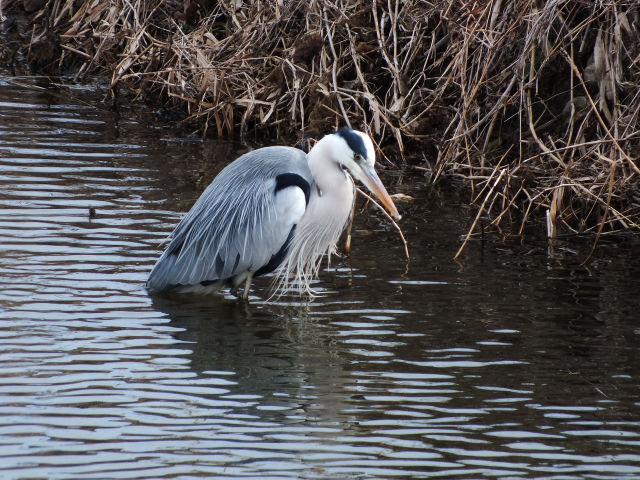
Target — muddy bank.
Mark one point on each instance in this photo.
(532, 104)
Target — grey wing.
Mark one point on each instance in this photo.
(241, 223)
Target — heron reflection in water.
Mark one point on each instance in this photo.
(275, 209)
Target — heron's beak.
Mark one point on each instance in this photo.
(371, 180)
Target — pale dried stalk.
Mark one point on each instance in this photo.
(442, 79)
(390, 218)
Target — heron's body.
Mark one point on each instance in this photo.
(260, 215)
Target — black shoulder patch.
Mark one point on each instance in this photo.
(293, 180)
(354, 141)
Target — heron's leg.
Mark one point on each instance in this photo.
(247, 286)
(235, 284)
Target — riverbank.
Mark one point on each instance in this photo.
(534, 105)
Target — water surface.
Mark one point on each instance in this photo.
(515, 362)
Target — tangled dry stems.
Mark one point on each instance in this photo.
(534, 103)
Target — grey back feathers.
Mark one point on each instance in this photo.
(230, 228)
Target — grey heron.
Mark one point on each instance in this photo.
(274, 209)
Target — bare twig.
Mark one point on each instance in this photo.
(393, 222)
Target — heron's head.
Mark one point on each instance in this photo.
(354, 151)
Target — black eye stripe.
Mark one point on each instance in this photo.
(354, 140)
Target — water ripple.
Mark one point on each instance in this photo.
(419, 371)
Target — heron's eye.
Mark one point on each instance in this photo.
(358, 158)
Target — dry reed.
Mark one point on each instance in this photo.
(534, 103)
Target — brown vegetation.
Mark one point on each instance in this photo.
(535, 103)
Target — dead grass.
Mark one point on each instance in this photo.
(534, 103)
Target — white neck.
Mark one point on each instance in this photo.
(324, 219)
(325, 170)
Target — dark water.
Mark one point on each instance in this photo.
(514, 362)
